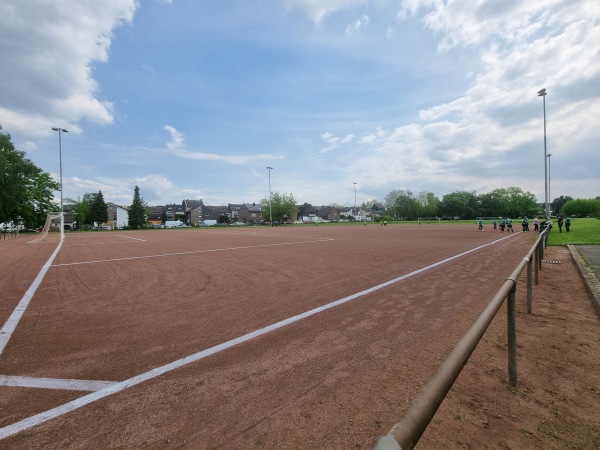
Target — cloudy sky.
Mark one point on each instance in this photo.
(195, 99)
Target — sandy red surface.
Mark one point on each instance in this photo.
(115, 305)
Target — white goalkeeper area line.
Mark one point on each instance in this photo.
(117, 387)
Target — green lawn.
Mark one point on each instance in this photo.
(583, 232)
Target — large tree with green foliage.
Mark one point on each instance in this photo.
(99, 211)
(137, 211)
(557, 204)
(282, 207)
(78, 208)
(428, 204)
(461, 204)
(26, 192)
(88, 201)
(582, 207)
(402, 205)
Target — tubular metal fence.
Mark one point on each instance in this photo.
(405, 434)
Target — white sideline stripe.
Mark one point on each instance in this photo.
(162, 255)
(53, 413)
(11, 324)
(54, 383)
(129, 237)
(99, 243)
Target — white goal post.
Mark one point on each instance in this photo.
(53, 224)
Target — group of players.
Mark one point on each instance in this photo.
(507, 223)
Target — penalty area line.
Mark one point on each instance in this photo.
(117, 387)
(191, 252)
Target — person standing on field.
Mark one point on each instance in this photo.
(568, 224)
(480, 222)
(509, 228)
(536, 224)
(502, 224)
(560, 224)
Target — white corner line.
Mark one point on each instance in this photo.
(54, 383)
(117, 387)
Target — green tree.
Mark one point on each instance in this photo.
(88, 200)
(137, 211)
(461, 204)
(78, 208)
(402, 205)
(99, 211)
(26, 192)
(282, 207)
(429, 204)
(557, 204)
(494, 204)
(521, 203)
(582, 207)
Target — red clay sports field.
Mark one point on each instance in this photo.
(299, 337)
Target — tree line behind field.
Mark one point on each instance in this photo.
(503, 202)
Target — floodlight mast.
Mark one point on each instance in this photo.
(542, 93)
(270, 209)
(354, 212)
(549, 177)
(62, 211)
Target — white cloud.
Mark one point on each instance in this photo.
(48, 51)
(335, 141)
(177, 147)
(177, 140)
(317, 10)
(149, 69)
(357, 25)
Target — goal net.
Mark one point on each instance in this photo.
(52, 225)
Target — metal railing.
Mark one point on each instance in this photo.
(405, 434)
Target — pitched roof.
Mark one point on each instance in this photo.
(253, 207)
(191, 204)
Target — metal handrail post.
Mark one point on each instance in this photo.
(537, 265)
(530, 284)
(511, 319)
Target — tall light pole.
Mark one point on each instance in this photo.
(542, 93)
(270, 210)
(549, 176)
(62, 211)
(354, 212)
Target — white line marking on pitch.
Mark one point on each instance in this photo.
(192, 252)
(53, 413)
(54, 383)
(11, 324)
(98, 243)
(129, 237)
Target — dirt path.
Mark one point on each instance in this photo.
(556, 404)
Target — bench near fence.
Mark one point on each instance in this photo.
(405, 434)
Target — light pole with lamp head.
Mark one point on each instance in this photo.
(549, 176)
(270, 210)
(62, 211)
(354, 201)
(542, 93)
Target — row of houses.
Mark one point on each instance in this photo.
(195, 213)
